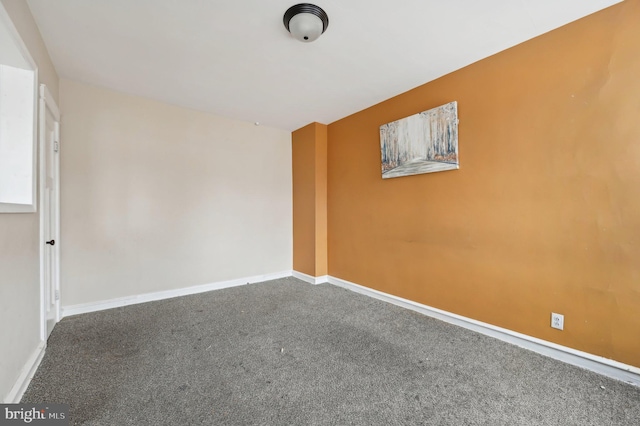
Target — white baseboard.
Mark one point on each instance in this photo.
(604, 366)
(29, 369)
(167, 294)
(311, 280)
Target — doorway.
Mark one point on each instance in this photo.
(49, 130)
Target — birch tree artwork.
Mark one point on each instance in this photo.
(422, 143)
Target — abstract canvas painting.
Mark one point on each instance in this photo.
(422, 143)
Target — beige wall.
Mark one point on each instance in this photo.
(544, 213)
(19, 240)
(156, 197)
(25, 24)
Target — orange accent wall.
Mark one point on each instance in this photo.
(544, 213)
(309, 152)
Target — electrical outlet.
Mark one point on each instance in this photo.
(557, 321)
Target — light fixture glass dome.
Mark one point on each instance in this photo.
(305, 27)
(305, 21)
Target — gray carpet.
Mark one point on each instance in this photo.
(288, 353)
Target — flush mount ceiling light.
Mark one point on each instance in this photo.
(306, 21)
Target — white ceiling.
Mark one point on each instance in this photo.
(235, 58)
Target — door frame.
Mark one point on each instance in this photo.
(46, 102)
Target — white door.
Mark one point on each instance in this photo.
(49, 213)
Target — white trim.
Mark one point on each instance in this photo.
(27, 373)
(58, 207)
(50, 101)
(607, 367)
(311, 280)
(167, 294)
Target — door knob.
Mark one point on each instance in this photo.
(52, 242)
